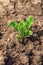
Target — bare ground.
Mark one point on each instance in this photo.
(30, 50)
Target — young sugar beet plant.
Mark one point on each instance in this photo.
(23, 28)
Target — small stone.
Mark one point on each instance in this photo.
(10, 8)
(35, 1)
(5, 2)
(2, 11)
(13, 1)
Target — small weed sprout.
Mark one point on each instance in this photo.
(23, 28)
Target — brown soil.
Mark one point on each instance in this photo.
(30, 50)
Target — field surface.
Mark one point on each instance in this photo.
(30, 50)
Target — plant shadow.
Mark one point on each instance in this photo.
(33, 38)
(36, 38)
(40, 33)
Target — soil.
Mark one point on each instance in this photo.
(30, 50)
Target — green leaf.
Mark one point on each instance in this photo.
(30, 32)
(29, 21)
(22, 26)
(14, 25)
(20, 37)
(26, 32)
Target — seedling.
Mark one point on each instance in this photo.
(23, 28)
